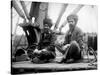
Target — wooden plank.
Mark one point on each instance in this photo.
(30, 65)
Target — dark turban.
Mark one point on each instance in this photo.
(47, 21)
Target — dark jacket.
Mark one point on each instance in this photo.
(75, 35)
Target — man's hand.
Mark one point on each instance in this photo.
(65, 46)
(37, 51)
(44, 49)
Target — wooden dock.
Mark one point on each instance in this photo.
(29, 67)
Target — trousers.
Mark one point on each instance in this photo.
(73, 51)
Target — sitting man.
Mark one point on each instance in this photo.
(73, 43)
(45, 50)
(46, 42)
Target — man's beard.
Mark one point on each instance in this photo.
(71, 27)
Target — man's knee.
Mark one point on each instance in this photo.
(75, 45)
(74, 49)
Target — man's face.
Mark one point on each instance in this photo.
(72, 23)
(46, 26)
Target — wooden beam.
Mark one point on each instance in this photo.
(18, 10)
(25, 9)
(61, 13)
(77, 9)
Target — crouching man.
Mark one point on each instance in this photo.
(73, 41)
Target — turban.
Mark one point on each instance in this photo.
(47, 21)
